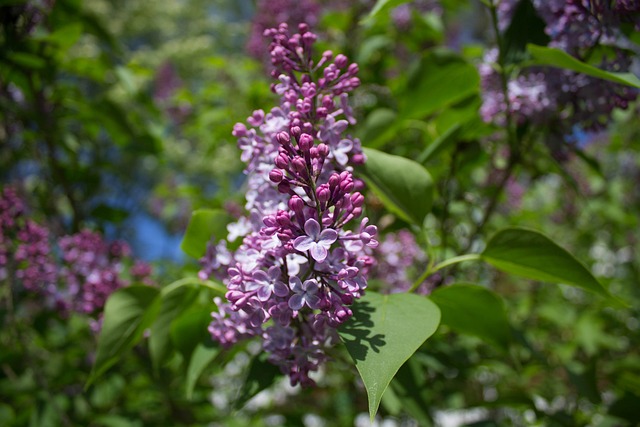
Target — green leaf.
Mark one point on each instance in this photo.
(474, 310)
(127, 313)
(441, 79)
(26, 60)
(557, 58)
(525, 27)
(533, 255)
(404, 186)
(173, 303)
(382, 5)
(190, 329)
(448, 138)
(383, 333)
(261, 376)
(202, 356)
(204, 224)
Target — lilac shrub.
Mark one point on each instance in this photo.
(75, 275)
(302, 261)
(564, 100)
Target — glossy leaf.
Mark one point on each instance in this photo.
(533, 255)
(404, 186)
(204, 224)
(560, 59)
(383, 333)
(202, 356)
(127, 313)
(474, 310)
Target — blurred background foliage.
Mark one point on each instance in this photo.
(117, 116)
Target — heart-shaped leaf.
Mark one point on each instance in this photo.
(204, 224)
(474, 310)
(383, 333)
(404, 186)
(533, 255)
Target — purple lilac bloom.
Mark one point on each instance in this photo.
(298, 267)
(88, 270)
(269, 13)
(563, 100)
(395, 257)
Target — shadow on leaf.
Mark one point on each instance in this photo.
(356, 333)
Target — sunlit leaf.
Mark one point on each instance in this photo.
(383, 333)
(204, 224)
(404, 186)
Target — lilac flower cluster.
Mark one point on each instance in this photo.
(270, 13)
(564, 100)
(86, 272)
(298, 268)
(395, 257)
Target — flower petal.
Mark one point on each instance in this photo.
(312, 228)
(303, 243)
(327, 237)
(295, 284)
(264, 293)
(318, 252)
(280, 289)
(312, 300)
(296, 302)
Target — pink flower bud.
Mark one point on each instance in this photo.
(305, 142)
(276, 175)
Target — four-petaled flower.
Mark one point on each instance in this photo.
(304, 293)
(269, 283)
(316, 241)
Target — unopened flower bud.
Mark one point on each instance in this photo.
(276, 175)
(283, 138)
(323, 193)
(323, 150)
(305, 142)
(341, 61)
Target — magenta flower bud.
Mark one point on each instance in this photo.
(283, 138)
(276, 175)
(296, 204)
(334, 179)
(327, 55)
(305, 142)
(313, 152)
(282, 161)
(239, 130)
(323, 150)
(284, 187)
(357, 199)
(357, 211)
(296, 131)
(299, 165)
(341, 61)
(353, 69)
(323, 193)
(358, 159)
